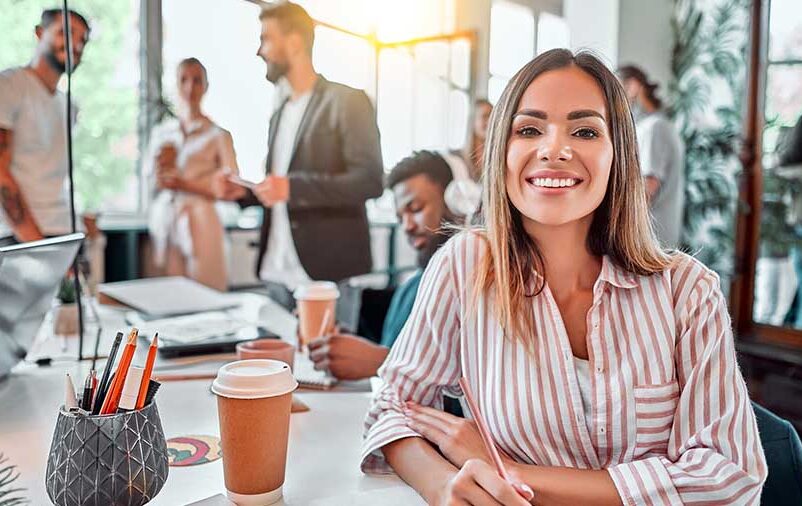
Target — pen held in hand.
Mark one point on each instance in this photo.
(523, 489)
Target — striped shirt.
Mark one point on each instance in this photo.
(670, 417)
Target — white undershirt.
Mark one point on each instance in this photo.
(583, 378)
(281, 263)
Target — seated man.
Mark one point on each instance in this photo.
(418, 183)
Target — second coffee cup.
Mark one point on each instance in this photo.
(271, 349)
(316, 300)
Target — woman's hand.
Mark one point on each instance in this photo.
(169, 179)
(478, 484)
(166, 157)
(457, 438)
(347, 357)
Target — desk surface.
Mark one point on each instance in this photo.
(323, 459)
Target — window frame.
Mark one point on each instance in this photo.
(747, 238)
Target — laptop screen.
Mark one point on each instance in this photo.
(30, 274)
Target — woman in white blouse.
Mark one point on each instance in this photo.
(604, 367)
(185, 228)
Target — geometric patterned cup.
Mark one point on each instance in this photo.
(107, 460)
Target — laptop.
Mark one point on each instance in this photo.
(30, 275)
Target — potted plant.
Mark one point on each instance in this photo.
(775, 283)
(65, 321)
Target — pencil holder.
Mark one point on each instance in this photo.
(107, 460)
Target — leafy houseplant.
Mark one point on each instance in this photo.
(706, 96)
(65, 320)
(9, 496)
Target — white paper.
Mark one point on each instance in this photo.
(168, 296)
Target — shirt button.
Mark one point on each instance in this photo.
(602, 430)
(600, 369)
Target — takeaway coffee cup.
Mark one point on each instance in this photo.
(253, 405)
(272, 349)
(315, 300)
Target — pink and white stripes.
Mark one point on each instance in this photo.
(671, 419)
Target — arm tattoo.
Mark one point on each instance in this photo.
(12, 204)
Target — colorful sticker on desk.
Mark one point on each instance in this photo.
(193, 450)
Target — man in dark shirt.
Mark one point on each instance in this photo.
(418, 184)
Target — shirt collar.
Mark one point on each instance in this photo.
(610, 273)
(615, 275)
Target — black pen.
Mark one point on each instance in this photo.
(104, 379)
(86, 400)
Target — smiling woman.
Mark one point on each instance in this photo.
(604, 366)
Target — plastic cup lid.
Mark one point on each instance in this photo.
(317, 290)
(254, 379)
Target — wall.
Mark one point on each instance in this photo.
(594, 25)
(645, 38)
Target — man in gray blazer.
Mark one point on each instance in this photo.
(324, 162)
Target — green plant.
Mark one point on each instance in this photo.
(777, 236)
(706, 101)
(8, 475)
(66, 291)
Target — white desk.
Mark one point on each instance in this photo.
(323, 459)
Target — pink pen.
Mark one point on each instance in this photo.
(523, 489)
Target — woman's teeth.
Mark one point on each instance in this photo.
(548, 182)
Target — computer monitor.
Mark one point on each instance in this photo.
(30, 275)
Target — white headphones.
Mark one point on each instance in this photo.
(463, 195)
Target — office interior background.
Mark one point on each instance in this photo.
(729, 70)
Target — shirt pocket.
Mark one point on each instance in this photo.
(655, 407)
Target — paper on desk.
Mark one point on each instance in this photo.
(167, 296)
(392, 496)
(307, 376)
(192, 328)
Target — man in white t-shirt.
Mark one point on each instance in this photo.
(324, 162)
(662, 156)
(34, 196)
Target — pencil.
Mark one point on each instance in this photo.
(113, 395)
(143, 387)
(103, 386)
(523, 490)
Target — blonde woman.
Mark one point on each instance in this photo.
(185, 228)
(604, 366)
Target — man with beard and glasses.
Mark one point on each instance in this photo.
(33, 144)
(418, 184)
(324, 162)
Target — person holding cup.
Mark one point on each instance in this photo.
(418, 183)
(185, 228)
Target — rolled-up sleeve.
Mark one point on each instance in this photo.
(422, 363)
(714, 454)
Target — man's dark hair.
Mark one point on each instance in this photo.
(292, 18)
(636, 73)
(429, 163)
(194, 61)
(51, 15)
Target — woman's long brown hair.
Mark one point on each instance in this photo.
(620, 226)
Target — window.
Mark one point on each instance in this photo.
(512, 44)
(778, 288)
(423, 100)
(104, 88)
(239, 98)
